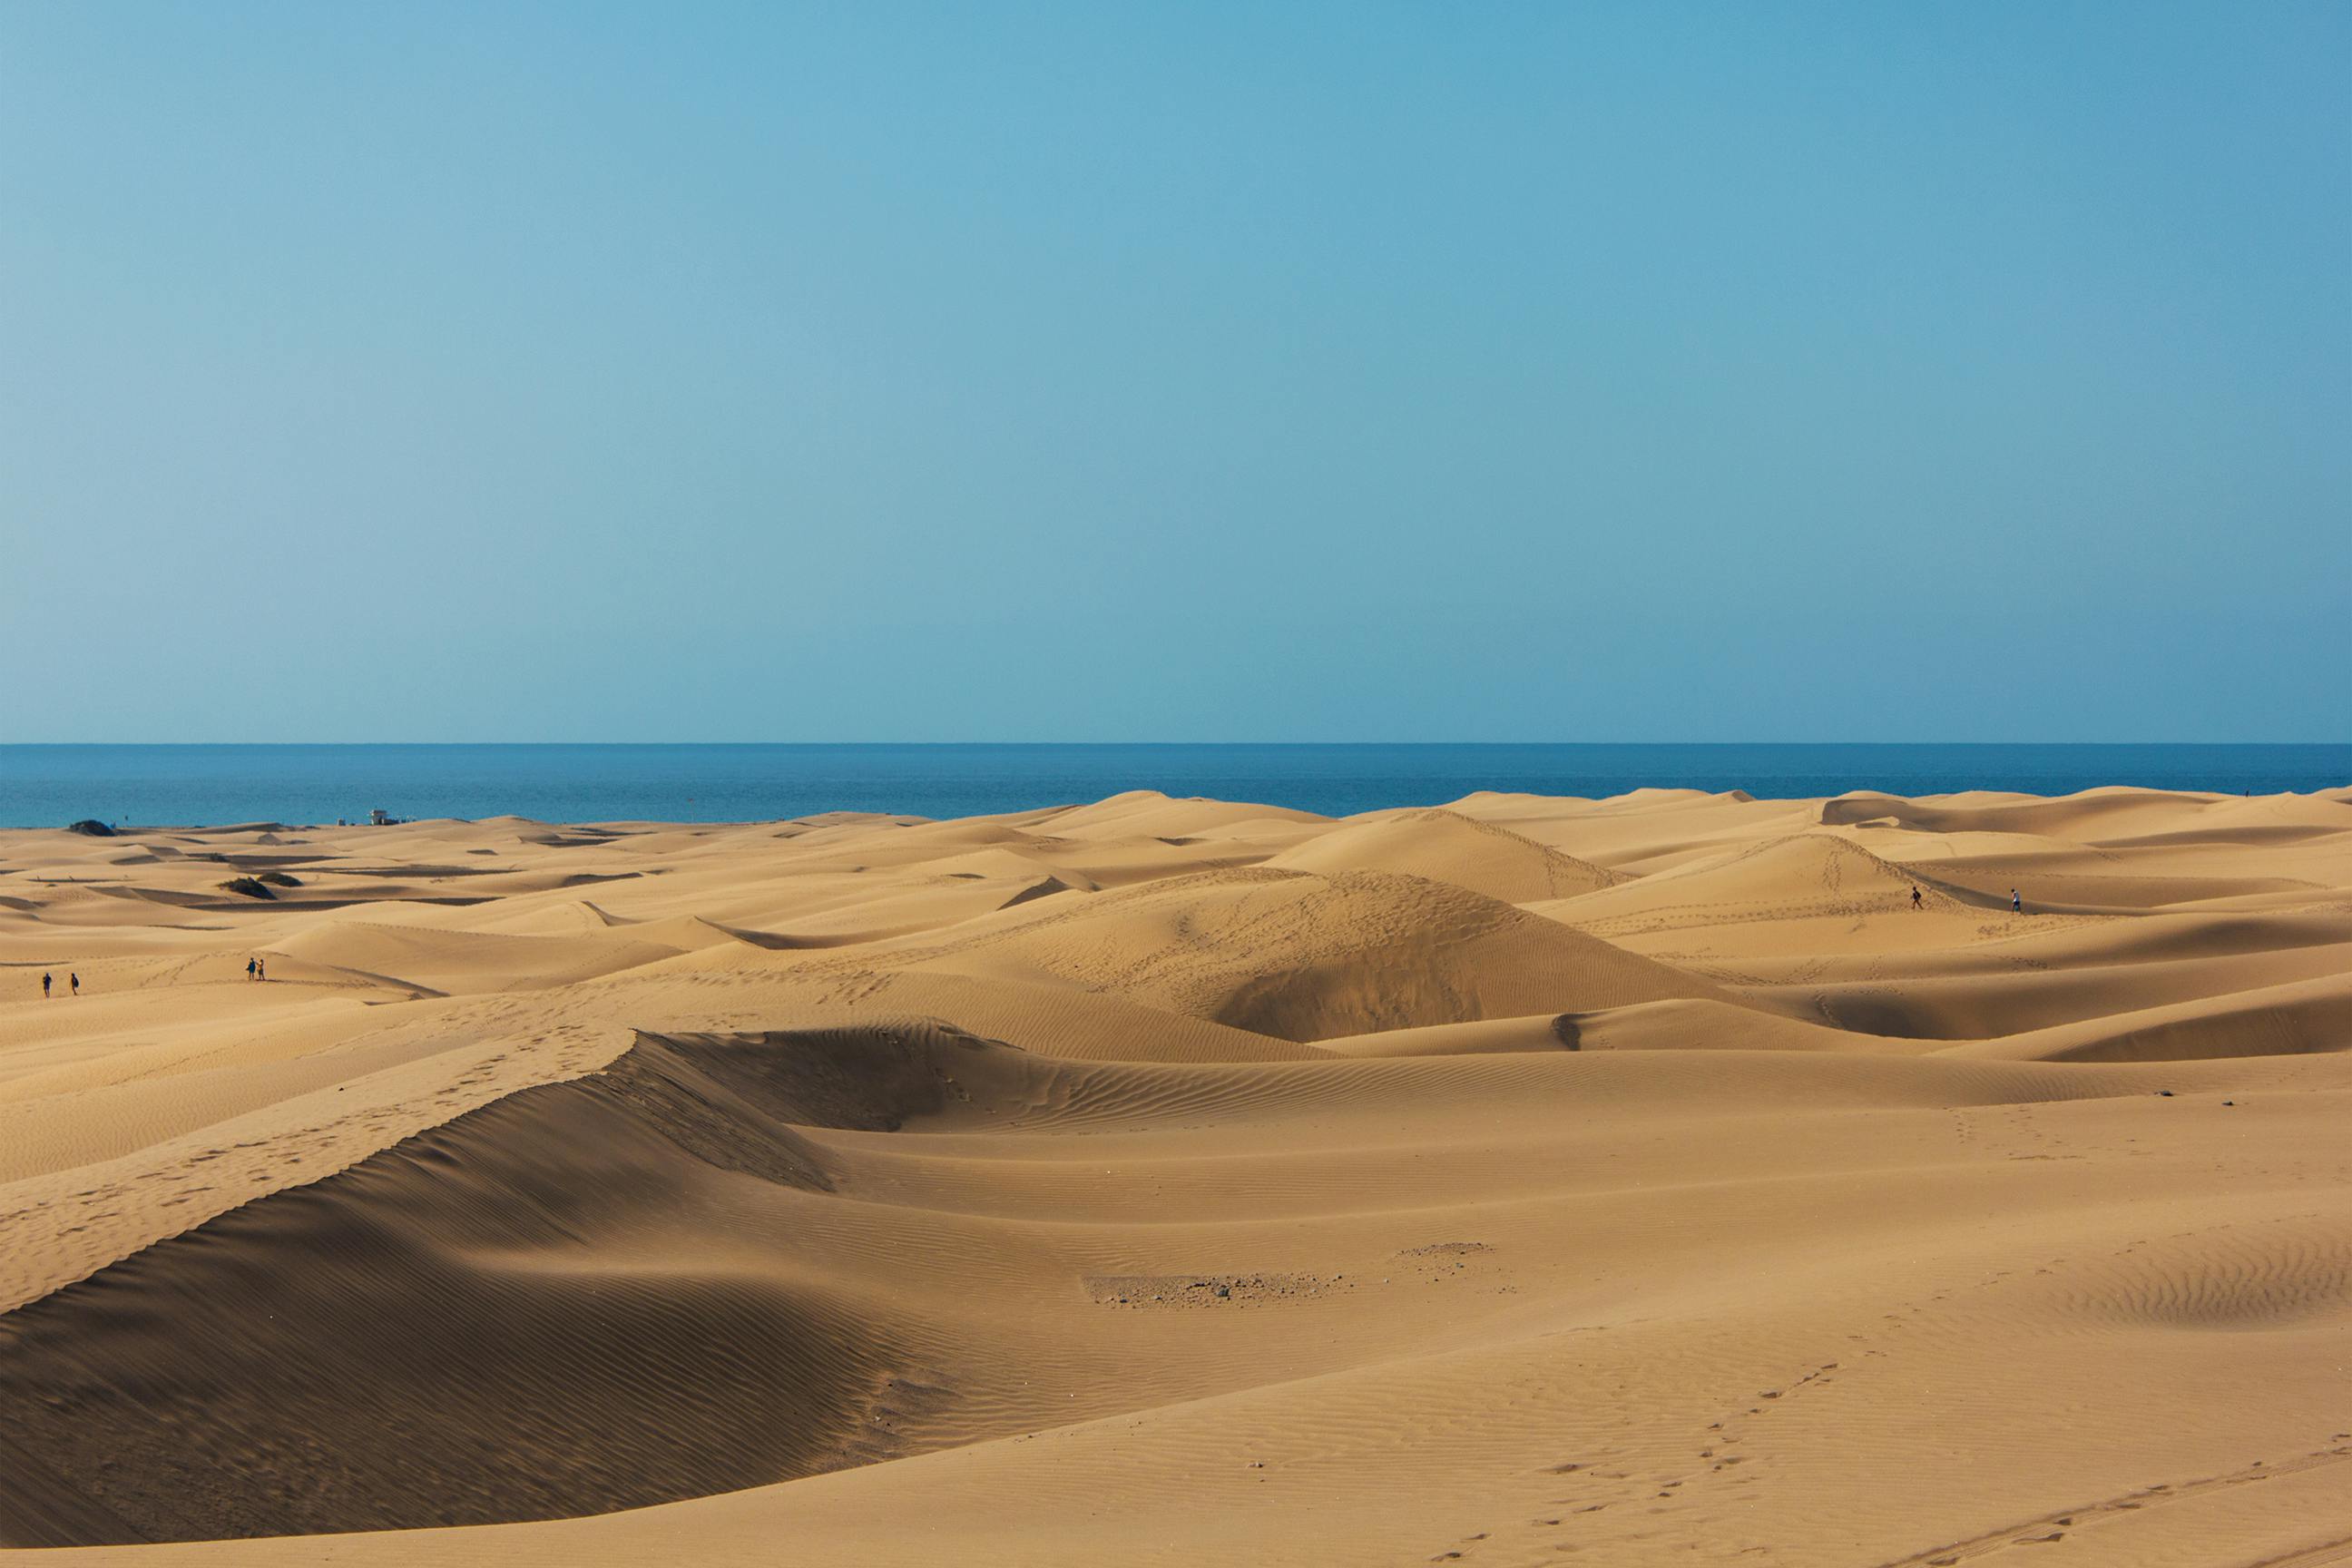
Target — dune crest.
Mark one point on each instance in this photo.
(1446, 847)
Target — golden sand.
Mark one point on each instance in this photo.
(1636, 1181)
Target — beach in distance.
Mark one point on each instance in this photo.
(1668, 1173)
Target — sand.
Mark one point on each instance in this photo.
(1636, 1181)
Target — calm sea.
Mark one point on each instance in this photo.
(50, 785)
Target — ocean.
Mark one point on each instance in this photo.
(48, 786)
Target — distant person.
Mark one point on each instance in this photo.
(75, 981)
(44, 987)
(253, 969)
(1915, 895)
(2016, 904)
(260, 969)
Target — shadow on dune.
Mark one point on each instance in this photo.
(581, 1298)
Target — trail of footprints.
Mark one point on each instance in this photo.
(1660, 1489)
(2045, 1529)
(2038, 1530)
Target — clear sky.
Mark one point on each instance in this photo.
(1110, 372)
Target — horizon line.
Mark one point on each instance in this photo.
(1300, 746)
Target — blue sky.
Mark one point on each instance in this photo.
(1341, 371)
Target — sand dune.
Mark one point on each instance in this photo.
(2272, 1020)
(538, 1344)
(1299, 956)
(1446, 847)
(446, 962)
(1637, 1181)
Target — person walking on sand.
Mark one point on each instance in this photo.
(252, 968)
(260, 969)
(1915, 895)
(2016, 904)
(74, 981)
(44, 987)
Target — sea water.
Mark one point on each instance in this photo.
(51, 785)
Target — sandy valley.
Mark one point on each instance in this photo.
(1161, 1180)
